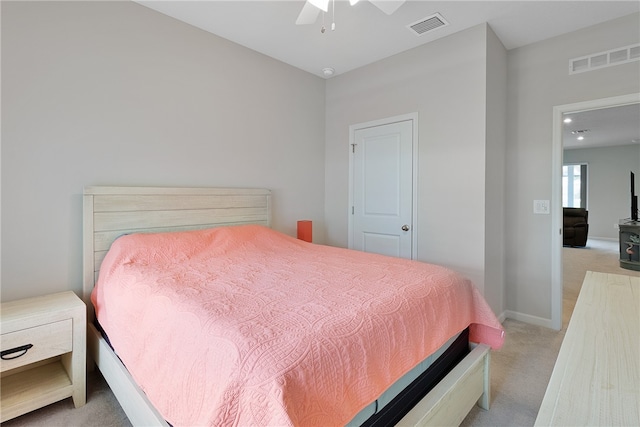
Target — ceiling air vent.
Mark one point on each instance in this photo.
(609, 58)
(427, 24)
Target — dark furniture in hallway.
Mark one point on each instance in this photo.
(575, 227)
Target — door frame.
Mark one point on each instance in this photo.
(556, 191)
(413, 117)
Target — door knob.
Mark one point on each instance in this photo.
(405, 227)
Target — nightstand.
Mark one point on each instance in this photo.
(43, 346)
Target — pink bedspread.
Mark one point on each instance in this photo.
(247, 326)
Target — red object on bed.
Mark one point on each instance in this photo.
(247, 326)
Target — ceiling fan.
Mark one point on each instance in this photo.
(312, 8)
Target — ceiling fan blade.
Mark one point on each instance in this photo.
(387, 6)
(308, 14)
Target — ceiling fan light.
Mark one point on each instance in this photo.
(320, 4)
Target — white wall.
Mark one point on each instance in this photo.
(495, 173)
(445, 82)
(538, 80)
(113, 93)
(608, 189)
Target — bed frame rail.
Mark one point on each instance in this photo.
(131, 398)
(449, 402)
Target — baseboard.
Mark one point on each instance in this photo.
(611, 239)
(527, 318)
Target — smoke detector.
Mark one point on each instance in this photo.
(328, 72)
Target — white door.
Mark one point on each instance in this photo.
(382, 189)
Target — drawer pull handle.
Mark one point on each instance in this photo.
(22, 350)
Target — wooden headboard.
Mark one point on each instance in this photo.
(110, 212)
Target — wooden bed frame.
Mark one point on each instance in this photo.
(110, 212)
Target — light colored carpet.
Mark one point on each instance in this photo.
(520, 371)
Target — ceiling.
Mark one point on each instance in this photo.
(603, 127)
(364, 34)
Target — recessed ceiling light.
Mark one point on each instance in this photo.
(328, 72)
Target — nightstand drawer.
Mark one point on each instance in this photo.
(35, 344)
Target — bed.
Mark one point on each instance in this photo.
(297, 380)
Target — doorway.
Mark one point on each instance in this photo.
(556, 193)
(382, 186)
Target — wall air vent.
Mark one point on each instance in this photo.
(622, 55)
(427, 24)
